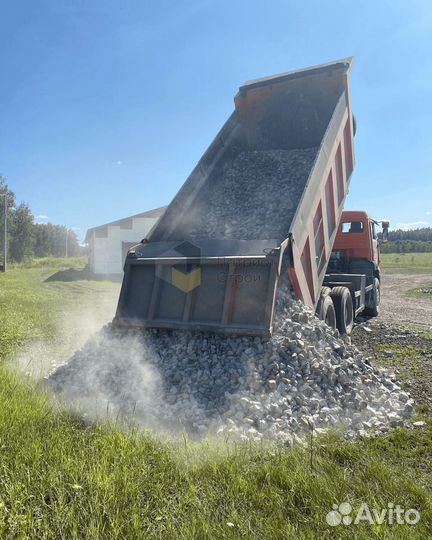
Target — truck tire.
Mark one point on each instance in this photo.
(325, 291)
(344, 309)
(373, 309)
(325, 309)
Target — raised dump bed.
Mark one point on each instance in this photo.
(265, 198)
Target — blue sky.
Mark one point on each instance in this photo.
(106, 106)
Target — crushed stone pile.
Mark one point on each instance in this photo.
(254, 197)
(305, 377)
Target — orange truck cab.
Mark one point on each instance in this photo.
(357, 239)
(353, 273)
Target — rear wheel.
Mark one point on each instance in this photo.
(325, 309)
(344, 309)
(373, 308)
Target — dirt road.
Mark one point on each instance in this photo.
(397, 307)
(400, 338)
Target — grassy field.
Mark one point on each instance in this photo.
(35, 305)
(420, 263)
(62, 479)
(422, 292)
(408, 360)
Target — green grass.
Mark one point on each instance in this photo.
(61, 478)
(422, 292)
(30, 307)
(424, 332)
(53, 263)
(420, 263)
(409, 360)
(22, 305)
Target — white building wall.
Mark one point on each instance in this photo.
(106, 253)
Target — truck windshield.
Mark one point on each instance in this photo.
(352, 227)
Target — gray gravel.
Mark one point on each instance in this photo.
(254, 197)
(305, 377)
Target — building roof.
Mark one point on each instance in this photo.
(156, 212)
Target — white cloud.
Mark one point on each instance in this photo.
(428, 213)
(413, 225)
(42, 217)
(119, 162)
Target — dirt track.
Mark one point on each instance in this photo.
(397, 307)
(400, 337)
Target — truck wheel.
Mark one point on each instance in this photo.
(344, 309)
(373, 309)
(325, 291)
(326, 311)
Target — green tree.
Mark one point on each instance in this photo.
(74, 248)
(55, 240)
(10, 202)
(29, 239)
(4, 189)
(42, 246)
(21, 233)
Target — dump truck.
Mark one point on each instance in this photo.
(243, 221)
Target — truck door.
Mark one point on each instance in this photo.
(376, 255)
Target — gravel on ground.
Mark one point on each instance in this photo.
(306, 377)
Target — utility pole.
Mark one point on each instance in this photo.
(66, 250)
(5, 243)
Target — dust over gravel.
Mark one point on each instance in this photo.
(305, 377)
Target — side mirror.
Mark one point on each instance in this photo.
(385, 230)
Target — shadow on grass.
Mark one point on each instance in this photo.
(72, 274)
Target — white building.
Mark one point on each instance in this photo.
(109, 243)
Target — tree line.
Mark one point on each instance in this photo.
(27, 239)
(415, 240)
